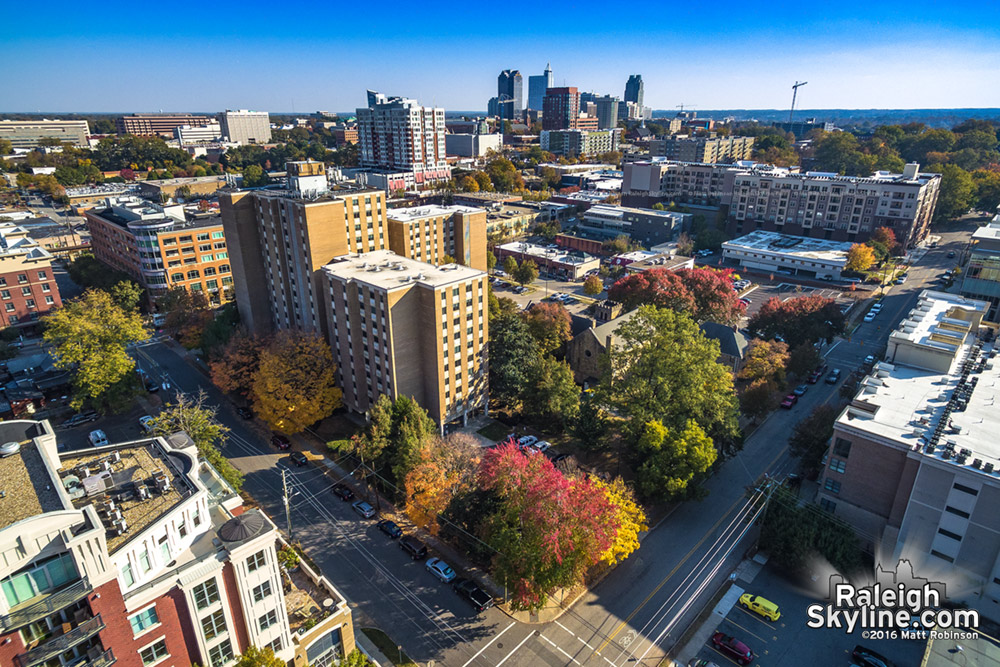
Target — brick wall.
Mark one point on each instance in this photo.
(238, 634)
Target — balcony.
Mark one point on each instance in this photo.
(103, 659)
(61, 643)
(20, 616)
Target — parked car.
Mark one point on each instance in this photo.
(526, 441)
(152, 386)
(364, 509)
(244, 412)
(876, 307)
(900, 280)
(473, 594)
(440, 569)
(146, 423)
(869, 360)
(390, 528)
(951, 253)
(299, 459)
(869, 658)
(789, 401)
(560, 458)
(541, 446)
(80, 418)
(343, 491)
(733, 648)
(870, 315)
(413, 546)
(801, 390)
(281, 442)
(814, 378)
(98, 438)
(701, 662)
(833, 377)
(759, 605)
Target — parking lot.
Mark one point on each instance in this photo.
(789, 642)
(759, 293)
(538, 290)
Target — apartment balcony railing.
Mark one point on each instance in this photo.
(18, 617)
(103, 659)
(62, 643)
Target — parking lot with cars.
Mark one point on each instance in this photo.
(786, 640)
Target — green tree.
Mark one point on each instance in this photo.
(551, 392)
(987, 189)
(89, 336)
(87, 271)
(957, 193)
(550, 323)
(199, 421)
(527, 273)
(759, 398)
(591, 427)
(254, 176)
(802, 360)
(259, 657)
(510, 265)
(792, 533)
(127, 294)
(491, 260)
(6, 148)
(397, 432)
(766, 360)
(513, 351)
(672, 459)
(662, 367)
(811, 437)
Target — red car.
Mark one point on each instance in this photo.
(733, 648)
(789, 401)
(280, 441)
(814, 378)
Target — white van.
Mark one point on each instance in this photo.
(98, 438)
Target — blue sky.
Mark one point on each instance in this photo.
(137, 56)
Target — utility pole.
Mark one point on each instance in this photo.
(288, 511)
(795, 92)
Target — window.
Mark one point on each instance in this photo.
(177, 277)
(948, 533)
(942, 556)
(257, 561)
(10, 307)
(842, 447)
(203, 237)
(222, 255)
(213, 625)
(221, 654)
(832, 485)
(25, 291)
(22, 277)
(262, 591)
(144, 620)
(957, 512)
(217, 235)
(127, 576)
(144, 561)
(838, 465)
(267, 620)
(965, 489)
(5, 293)
(153, 653)
(206, 594)
(275, 645)
(193, 274)
(206, 258)
(49, 300)
(40, 578)
(827, 504)
(46, 288)
(196, 518)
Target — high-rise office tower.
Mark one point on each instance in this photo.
(634, 89)
(607, 112)
(396, 133)
(537, 85)
(509, 94)
(246, 127)
(560, 109)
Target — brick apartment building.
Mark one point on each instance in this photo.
(913, 464)
(28, 288)
(407, 328)
(161, 248)
(138, 554)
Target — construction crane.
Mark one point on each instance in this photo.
(681, 106)
(795, 92)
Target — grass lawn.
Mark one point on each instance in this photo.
(494, 431)
(389, 648)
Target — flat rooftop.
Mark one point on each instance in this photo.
(612, 211)
(190, 180)
(428, 211)
(939, 321)
(137, 482)
(24, 478)
(990, 232)
(561, 255)
(386, 270)
(178, 225)
(786, 244)
(102, 189)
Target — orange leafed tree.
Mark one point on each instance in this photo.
(234, 370)
(294, 383)
(445, 468)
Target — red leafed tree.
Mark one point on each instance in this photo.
(705, 294)
(235, 368)
(804, 319)
(886, 237)
(547, 529)
(550, 324)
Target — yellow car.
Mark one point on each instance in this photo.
(759, 605)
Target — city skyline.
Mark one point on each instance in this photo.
(898, 57)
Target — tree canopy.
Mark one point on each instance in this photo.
(672, 458)
(804, 319)
(199, 422)
(549, 323)
(860, 257)
(704, 294)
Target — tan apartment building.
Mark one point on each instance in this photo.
(708, 150)
(914, 464)
(428, 233)
(286, 236)
(401, 327)
(162, 190)
(161, 249)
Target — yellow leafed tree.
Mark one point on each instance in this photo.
(294, 383)
(444, 469)
(631, 520)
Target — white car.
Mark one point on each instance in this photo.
(541, 446)
(526, 441)
(876, 307)
(146, 423)
(98, 438)
(870, 316)
(440, 569)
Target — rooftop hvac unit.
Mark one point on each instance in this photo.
(988, 468)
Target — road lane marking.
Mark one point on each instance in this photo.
(559, 648)
(586, 644)
(564, 628)
(523, 641)
(487, 645)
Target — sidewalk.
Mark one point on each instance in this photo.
(368, 648)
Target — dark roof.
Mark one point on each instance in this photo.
(731, 341)
(243, 528)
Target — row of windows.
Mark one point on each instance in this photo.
(29, 303)
(22, 278)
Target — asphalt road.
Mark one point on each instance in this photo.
(634, 616)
